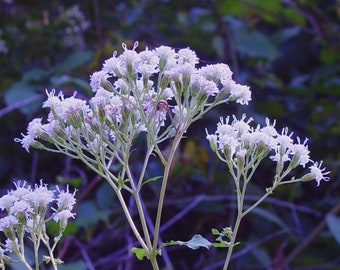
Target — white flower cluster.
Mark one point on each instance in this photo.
(237, 143)
(27, 209)
(158, 91)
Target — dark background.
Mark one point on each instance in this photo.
(287, 51)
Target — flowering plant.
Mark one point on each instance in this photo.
(156, 95)
(29, 209)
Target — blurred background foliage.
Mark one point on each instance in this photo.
(288, 51)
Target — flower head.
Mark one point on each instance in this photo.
(319, 173)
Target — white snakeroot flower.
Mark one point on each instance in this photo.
(300, 153)
(209, 87)
(121, 85)
(240, 93)
(19, 207)
(40, 196)
(228, 144)
(21, 190)
(212, 138)
(146, 69)
(187, 56)
(11, 246)
(96, 78)
(149, 57)
(63, 217)
(318, 173)
(53, 100)
(217, 73)
(7, 222)
(224, 128)
(269, 129)
(7, 201)
(167, 57)
(66, 200)
(111, 66)
(34, 127)
(167, 94)
(241, 126)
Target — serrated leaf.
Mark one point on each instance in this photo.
(333, 224)
(139, 252)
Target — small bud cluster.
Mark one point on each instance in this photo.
(160, 92)
(27, 209)
(241, 146)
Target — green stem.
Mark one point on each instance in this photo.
(166, 174)
(240, 200)
(130, 220)
(232, 242)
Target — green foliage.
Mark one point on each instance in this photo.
(287, 51)
(197, 241)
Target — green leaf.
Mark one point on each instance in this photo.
(139, 252)
(152, 179)
(105, 196)
(333, 224)
(35, 75)
(215, 232)
(24, 97)
(89, 214)
(73, 182)
(196, 242)
(255, 44)
(75, 60)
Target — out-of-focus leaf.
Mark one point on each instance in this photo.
(53, 227)
(105, 196)
(255, 44)
(79, 265)
(88, 214)
(330, 55)
(35, 75)
(262, 256)
(269, 9)
(218, 44)
(73, 182)
(64, 80)
(333, 224)
(232, 7)
(286, 34)
(24, 96)
(294, 16)
(75, 60)
(269, 216)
